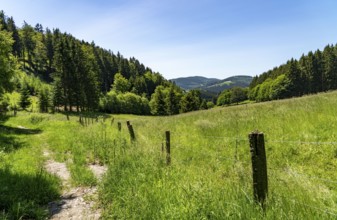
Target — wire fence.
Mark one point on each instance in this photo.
(237, 148)
(236, 145)
(320, 209)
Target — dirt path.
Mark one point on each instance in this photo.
(75, 202)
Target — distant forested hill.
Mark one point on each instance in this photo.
(193, 82)
(212, 85)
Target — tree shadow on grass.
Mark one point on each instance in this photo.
(9, 140)
(3, 117)
(24, 196)
(18, 130)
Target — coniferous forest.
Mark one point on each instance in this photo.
(68, 74)
(312, 73)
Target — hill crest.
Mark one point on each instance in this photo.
(212, 84)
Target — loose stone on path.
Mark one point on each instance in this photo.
(75, 203)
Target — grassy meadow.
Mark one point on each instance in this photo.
(210, 176)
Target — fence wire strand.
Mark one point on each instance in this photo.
(305, 176)
(179, 141)
(301, 142)
(324, 210)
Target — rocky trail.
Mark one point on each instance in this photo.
(75, 202)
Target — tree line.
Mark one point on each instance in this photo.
(312, 73)
(81, 76)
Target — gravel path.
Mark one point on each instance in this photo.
(76, 202)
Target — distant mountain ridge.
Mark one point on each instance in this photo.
(193, 82)
(212, 85)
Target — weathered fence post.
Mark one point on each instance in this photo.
(259, 166)
(168, 147)
(132, 133)
(119, 126)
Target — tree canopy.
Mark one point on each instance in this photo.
(7, 61)
(312, 73)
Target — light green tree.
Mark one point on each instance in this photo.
(7, 61)
(120, 84)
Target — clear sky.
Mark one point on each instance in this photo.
(212, 38)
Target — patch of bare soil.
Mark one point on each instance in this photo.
(98, 170)
(75, 203)
(58, 169)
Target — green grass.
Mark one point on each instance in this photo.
(26, 188)
(210, 176)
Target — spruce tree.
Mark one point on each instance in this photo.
(157, 103)
(24, 97)
(27, 36)
(44, 99)
(172, 102)
(190, 101)
(17, 47)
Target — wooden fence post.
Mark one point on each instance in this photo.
(119, 126)
(168, 147)
(132, 133)
(259, 166)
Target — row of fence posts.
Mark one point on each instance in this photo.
(259, 163)
(85, 121)
(257, 152)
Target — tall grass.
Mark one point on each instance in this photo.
(25, 188)
(210, 174)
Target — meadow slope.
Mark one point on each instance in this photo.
(210, 173)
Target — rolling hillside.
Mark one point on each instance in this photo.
(192, 82)
(210, 84)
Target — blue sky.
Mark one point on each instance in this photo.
(212, 38)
